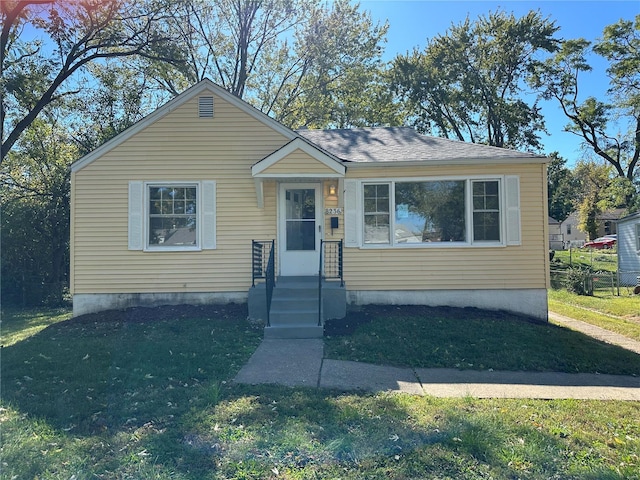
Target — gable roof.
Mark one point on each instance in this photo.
(404, 144)
(370, 146)
(334, 165)
(198, 89)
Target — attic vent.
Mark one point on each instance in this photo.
(205, 107)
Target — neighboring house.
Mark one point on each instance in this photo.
(606, 226)
(607, 221)
(556, 240)
(572, 236)
(166, 212)
(629, 249)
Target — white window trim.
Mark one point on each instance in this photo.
(138, 212)
(501, 211)
(469, 242)
(145, 218)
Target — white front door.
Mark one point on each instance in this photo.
(300, 228)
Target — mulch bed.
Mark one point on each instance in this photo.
(344, 326)
(231, 311)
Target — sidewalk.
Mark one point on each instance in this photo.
(596, 332)
(302, 363)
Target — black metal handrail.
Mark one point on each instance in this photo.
(330, 267)
(259, 258)
(331, 258)
(320, 269)
(263, 268)
(271, 281)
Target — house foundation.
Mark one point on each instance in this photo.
(84, 303)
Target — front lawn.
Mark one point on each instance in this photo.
(18, 324)
(148, 394)
(469, 339)
(618, 314)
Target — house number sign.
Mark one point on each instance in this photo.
(333, 211)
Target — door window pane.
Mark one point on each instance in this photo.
(300, 206)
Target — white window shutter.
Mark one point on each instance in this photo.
(512, 204)
(208, 215)
(136, 209)
(351, 214)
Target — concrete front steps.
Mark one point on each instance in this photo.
(294, 309)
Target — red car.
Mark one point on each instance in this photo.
(602, 242)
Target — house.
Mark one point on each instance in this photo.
(556, 240)
(187, 205)
(606, 226)
(572, 236)
(629, 249)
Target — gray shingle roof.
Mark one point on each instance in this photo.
(404, 144)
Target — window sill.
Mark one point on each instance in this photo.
(173, 249)
(431, 245)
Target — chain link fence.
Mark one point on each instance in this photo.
(598, 284)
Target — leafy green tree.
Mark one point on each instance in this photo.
(40, 70)
(340, 81)
(118, 97)
(226, 40)
(597, 121)
(593, 180)
(301, 62)
(561, 187)
(35, 218)
(467, 83)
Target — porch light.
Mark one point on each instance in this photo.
(332, 189)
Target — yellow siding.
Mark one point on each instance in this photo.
(179, 147)
(332, 202)
(298, 162)
(512, 267)
(183, 147)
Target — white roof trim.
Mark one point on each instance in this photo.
(298, 144)
(197, 89)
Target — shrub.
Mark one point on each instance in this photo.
(576, 280)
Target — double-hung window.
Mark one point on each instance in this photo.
(468, 211)
(172, 216)
(486, 210)
(376, 213)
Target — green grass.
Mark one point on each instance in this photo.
(148, 394)
(620, 314)
(600, 260)
(617, 314)
(474, 339)
(18, 324)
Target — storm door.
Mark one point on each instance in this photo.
(300, 228)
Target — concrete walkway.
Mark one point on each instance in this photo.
(294, 362)
(596, 332)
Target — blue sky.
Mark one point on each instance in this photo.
(412, 22)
